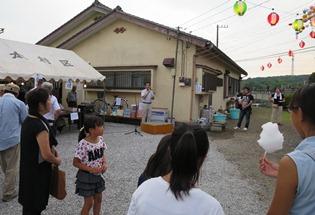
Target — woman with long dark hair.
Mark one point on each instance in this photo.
(176, 192)
(159, 162)
(37, 154)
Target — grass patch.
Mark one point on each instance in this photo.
(286, 118)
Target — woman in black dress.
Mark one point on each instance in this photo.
(37, 155)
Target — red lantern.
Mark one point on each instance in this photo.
(302, 44)
(312, 34)
(269, 65)
(290, 53)
(262, 68)
(279, 60)
(273, 18)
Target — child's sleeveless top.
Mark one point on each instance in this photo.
(304, 159)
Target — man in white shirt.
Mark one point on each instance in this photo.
(55, 109)
(147, 96)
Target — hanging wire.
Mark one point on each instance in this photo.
(296, 51)
(226, 18)
(208, 17)
(291, 14)
(204, 13)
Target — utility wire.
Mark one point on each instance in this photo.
(269, 8)
(291, 14)
(208, 25)
(204, 13)
(277, 44)
(208, 17)
(296, 51)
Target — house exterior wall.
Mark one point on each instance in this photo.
(75, 30)
(218, 100)
(138, 46)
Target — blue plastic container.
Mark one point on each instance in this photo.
(235, 113)
(219, 117)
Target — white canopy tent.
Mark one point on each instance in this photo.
(24, 61)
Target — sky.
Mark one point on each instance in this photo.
(246, 39)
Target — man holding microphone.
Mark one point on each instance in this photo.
(147, 96)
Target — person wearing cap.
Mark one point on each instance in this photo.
(55, 109)
(12, 114)
(2, 87)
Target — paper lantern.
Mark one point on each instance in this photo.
(262, 68)
(298, 25)
(312, 34)
(279, 60)
(302, 44)
(290, 53)
(273, 18)
(312, 21)
(240, 7)
(269, 65)
(305, 18)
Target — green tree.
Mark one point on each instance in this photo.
(311, 79)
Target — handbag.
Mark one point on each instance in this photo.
(58, 183)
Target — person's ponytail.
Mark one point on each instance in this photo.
(184, 163)
(82, 134)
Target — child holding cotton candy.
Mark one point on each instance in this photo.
(295, 173)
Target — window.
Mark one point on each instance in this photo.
(232, 86)
(210, 82)
(126, 79)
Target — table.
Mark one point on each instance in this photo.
(121, 119)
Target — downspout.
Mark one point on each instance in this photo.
(192, 87)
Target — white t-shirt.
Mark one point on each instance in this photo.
(148, 98)
(54, 106)
(155, 198)
(91, 154)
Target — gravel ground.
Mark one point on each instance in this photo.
(221, 176)
(241, 149)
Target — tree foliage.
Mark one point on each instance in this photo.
(311, 79)
(269, 83)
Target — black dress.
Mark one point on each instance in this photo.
(35, 174)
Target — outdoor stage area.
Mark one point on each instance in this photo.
(230, 172)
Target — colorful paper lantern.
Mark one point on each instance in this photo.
(279, 60)
(312, 34)
(269, 65)
(298, 25)
(273, 18)
(302, 44)
(290, 53)
(305, 18)
(240, 7)
(262, 68)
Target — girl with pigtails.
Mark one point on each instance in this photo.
(90, 159)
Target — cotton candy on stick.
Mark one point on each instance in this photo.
(271, 139)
